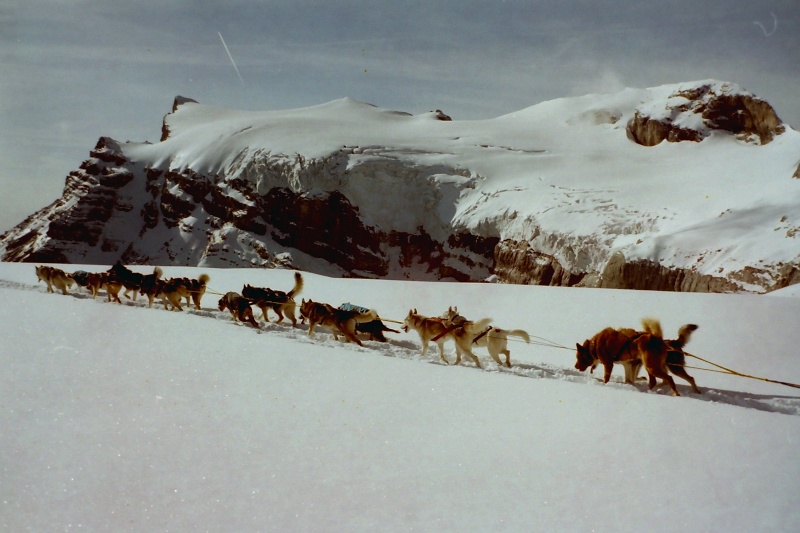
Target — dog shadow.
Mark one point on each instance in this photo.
(772, 403)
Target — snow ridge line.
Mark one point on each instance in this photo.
(408, 350)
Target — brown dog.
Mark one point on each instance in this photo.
(194, 288)
(239, 306)
(631, 348)
(279, 301)
(676, 359)
(54, 277)
(335, 319)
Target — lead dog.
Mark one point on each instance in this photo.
(54, 277)
(631, 348)
(438, 330)
(495, 340)
(239, 306)
(676, 358)
(335, 319)
(279, 301)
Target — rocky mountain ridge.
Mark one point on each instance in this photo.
(349, 189)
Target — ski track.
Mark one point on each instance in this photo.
(408, 350)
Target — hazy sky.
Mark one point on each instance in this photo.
(74, 70)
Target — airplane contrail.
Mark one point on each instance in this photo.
(231, 57)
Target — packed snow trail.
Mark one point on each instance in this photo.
(410, 350)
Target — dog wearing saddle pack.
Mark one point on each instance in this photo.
(494, 339)
(194, 288)
(336, 320)
(54, 277)
(93, 282)
(436, 329)
(171, 292)
(133, 281)
(279, 301)
(239, 306)
(631, 348)
(373, 329)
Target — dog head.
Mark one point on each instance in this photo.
(222, 304)
(584, 357)
(407, 323)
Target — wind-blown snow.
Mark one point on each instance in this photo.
(122, 418)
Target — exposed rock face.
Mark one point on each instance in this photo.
(267, 209)
(691, 114)
(646, 275)
(518, 262)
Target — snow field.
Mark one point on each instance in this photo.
(118, 417)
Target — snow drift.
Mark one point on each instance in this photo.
(683, 187)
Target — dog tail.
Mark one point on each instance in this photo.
(653, 327)
(683, 336)
(298, 285)
(204, 279)
(479, 326)
(522, 334)
(157, 272)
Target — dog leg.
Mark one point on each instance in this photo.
(679, 371)
(474, 357)
(441, 352)
(607, 374)
(508, 357)
(496, 356)
(659, 373)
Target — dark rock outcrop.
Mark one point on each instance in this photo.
(717, 106)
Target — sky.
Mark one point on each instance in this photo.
(76, 70)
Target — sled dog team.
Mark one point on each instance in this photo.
(631, 348)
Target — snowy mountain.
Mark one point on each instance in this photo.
(690, 187)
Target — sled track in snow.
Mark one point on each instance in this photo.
(411, 350)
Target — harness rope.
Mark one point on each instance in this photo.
(541, 341)
(726, 370)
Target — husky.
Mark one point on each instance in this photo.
(91, 281)
(133, 281)
(195, 288)
(438, 330)
(373, 329)
(494, 339)
(279, 301)
(631, 348)
(54, 277)
(335, 319)
(112, 287)
(239, 306)
(171, 291)
(676, 359)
